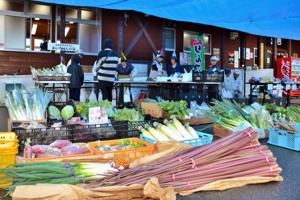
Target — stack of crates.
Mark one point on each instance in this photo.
(8, 151)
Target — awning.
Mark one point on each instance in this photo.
(273, 18)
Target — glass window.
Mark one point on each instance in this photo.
(186, 39)
(70, 12)
(170, 40)
(15, 31)
(207, 43)
(88, 38)
(8, 5)
(36, 30)
(39, 9)
(88, 14)
(70, 32)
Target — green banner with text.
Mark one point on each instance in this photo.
(197, 51)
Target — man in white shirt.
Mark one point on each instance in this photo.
(238, 83)
(228, 84)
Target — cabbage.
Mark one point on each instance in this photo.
(67, 112)
(53, 111)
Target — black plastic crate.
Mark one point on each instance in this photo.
(209, 76)
(198, 76)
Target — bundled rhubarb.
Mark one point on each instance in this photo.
(236, 155)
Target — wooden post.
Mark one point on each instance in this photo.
(62, 30)
(223, 48)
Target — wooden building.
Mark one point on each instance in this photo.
(23, 23)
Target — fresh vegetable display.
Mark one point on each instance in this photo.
(228, 157)
(128, 114)
(123, 144)
(177, 108)
(56, 148)
(83, 108)
(171, 130)
(24, 105)
(67, 112)
(58, 70)
(53, 173)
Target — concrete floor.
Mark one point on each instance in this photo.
(288, 189)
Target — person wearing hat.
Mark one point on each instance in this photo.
(105, 70)
(174, 68)
(79, 53)
(77, 77)
(125, 70)
(157, 66)
(44, 44)
(227, 86)
(238, 83)
(214, 67)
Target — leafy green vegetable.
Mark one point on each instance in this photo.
(83, 108)
(53, 111)
(67, 112)
(178, 108)
(128, 114)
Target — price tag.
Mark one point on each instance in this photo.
(294, 87)
(278, 87)
(287, 86)
(270, 86)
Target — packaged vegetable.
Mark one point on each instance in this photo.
(40, 148)
(60, 143)
(52, 153)
(72, 149)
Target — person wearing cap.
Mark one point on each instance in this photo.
(174, 68)
(44, 44)
(214, 67)
(238, 83)
(105, 70)
(78, 52)
(227, 86)
(157, 66)
(125, 70)
(77, 77)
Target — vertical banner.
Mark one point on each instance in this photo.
(197, 51)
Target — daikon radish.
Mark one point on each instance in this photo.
(191, 130)
(171, 126)
(181, 129)
(146, 133)
(155, 133)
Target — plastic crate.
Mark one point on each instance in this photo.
(127, 129)
(89, 153)
(7, 139)
(53, 78)
(209, 76)
(124, 157)
(204, 139)
(284, 138)
(7, 156)
(197, 76)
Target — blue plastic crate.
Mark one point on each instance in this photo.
(284, 138)
(205, 138)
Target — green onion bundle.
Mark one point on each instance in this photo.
(53, 173)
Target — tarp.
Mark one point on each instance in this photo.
(273, 18)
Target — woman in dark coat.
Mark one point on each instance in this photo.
(77, 78)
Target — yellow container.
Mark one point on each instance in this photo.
(7, 139)
(7, 156)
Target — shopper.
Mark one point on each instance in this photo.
(44, 44)
(174, 68)
(107, 63)
(125, 70)
(238, 84)
(77, 78)
(214, 67)
(78, 52)
(157, 66)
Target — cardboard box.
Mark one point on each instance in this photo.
(151, 109)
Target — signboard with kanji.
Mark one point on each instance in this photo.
(197, 51)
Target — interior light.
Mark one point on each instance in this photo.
(33, 29)
(71, 22)
(37, 19)
(67, 31)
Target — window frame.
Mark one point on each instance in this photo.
(174, 39)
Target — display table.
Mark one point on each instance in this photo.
(57, 87)
(285, 87)
(167, 90)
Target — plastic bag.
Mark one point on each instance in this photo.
(82, 95)
(93, 97)
(40, 148)
(227, 93)
(53, 153)
(127, 95)
(72, 149)
(60, 143)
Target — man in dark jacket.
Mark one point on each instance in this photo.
(77, 78)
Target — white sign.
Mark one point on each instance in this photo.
(236, 59)
(97, 117)
(278, 86)
(62, 47)
(288, 87)
(294, 87)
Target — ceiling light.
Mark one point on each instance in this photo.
(37, 19)
(33, 29)
(67, 31)
(71, 22)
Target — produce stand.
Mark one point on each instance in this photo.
(57, 87)
(286, 89)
